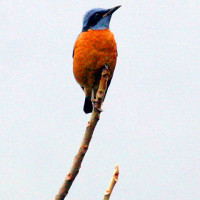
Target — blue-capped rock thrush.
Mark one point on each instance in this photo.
(95, 47)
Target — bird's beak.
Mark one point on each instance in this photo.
(112, 10)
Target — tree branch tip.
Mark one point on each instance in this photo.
(117, 168)
(116, 173)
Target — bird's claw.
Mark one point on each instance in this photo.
(99, 110)
(95, 102)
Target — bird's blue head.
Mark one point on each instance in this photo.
(98, 18)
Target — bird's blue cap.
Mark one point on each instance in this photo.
(98, 18)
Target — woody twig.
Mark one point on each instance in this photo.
(112, 183)
(87, 136)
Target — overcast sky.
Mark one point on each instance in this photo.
(150, 124)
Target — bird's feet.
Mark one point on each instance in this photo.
(95, 104)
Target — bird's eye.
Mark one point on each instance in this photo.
(96, 15)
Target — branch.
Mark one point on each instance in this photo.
(112, 183)
(87, 136)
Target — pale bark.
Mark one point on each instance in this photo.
(87, 136)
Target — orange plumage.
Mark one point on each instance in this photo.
(93, 49)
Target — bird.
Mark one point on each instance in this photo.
(94, 48)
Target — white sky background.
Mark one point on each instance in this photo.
(150, 124)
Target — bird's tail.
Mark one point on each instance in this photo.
(87, 105)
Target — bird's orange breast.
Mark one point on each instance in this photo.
(93, 49)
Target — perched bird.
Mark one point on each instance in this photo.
(94, 48)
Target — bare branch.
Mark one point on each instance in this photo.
(87, 136)
(112, 183)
